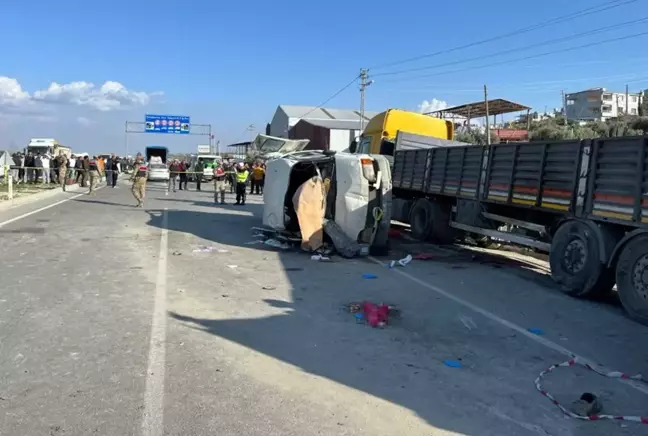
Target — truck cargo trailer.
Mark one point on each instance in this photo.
(583, 202)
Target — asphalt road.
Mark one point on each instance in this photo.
(117, 321)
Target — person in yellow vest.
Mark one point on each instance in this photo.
(242, 175)
(258, 172)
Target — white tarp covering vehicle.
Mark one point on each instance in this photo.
(358, 200)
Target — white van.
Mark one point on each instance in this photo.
(358, 201)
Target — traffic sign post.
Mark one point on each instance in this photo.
(174, 124)
(149, 126)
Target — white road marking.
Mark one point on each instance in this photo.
(49, 206)
(152, 419)
(491, 316)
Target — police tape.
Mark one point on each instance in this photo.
(609, 374)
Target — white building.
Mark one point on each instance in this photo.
(598, 104)
(286, 116)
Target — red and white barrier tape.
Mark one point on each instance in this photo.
(613, 374)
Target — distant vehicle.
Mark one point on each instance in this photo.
(47, 145)
(156, 156)
(158, 172)
(208, 161)
(157, 153)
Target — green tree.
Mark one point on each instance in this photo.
(476, 137)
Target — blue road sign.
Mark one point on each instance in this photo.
(167, 124)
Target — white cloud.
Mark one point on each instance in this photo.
(11, 92)
(84, 121)
(107, 97)
(431, 105)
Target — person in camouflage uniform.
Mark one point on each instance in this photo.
(140, 173)
(220, 183)
(62, 169)
(94, 174)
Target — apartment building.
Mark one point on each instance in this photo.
(599, 104)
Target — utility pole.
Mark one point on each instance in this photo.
(627, 100)
(488, 138)
(564, 106)
(364, 83)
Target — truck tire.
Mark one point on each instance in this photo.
(430, 221)
(575, 260)
(632, 278)
(420, 219)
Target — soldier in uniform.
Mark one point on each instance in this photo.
(220, 183)
(140, 172)
(62, 162)
(93, 167)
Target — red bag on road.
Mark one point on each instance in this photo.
(376, 315)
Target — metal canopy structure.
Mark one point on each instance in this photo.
(241, 147)
(481, 109)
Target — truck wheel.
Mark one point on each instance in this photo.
(632, 278)
(420, 219)
(575, 262)
(441, 232)
(431, 221)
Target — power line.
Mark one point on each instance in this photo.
(578, 14)
(340, 91)
(564, 50)
(522, 85)
(516, 49)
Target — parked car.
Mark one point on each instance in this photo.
(158, 172)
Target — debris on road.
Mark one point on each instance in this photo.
(206, 249)
(345, 246)
(536, 331)
(355, 307)
(401, 262)
(320, 258)
(268, 288)
(369, 276)
(232, 266)
(177, 253)
(452, 363)
(423, 256)
(588, 404)
(377, 315)
(276, 244)
(468, 322)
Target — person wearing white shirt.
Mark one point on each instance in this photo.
(71, 166)
(45, 162)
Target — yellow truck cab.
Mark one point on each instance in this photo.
(380, 134)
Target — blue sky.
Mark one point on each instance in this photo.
(230, 65)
